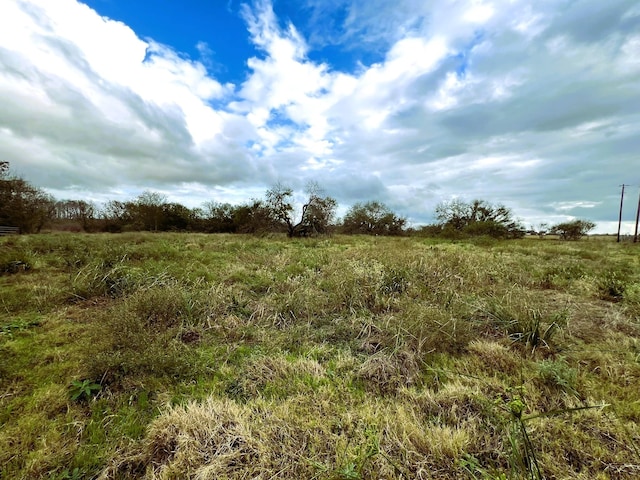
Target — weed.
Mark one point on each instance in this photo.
(83, 389)
(17, 326)
(558, 374)
(473, 467)
(66, 474)
(523, 456)
(612, 285)
(523, 459)
(526, 325)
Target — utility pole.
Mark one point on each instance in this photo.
(635, 234)
(620, 216)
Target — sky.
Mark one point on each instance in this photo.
(534, 104)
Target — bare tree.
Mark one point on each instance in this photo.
(318, 211)
(78, 210)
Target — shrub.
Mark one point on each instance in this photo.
(573, 230)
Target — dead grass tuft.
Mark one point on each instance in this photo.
(385, 373)
(493, 357)
(427, 450)
(275, 376)
(200, 441)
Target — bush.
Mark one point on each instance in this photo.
(478, 218)
(573, 230)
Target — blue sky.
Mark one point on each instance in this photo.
(214, 32)
(527, 103)
(210, 31)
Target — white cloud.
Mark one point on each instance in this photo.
(478, 12)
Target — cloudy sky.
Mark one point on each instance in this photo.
(531, 103)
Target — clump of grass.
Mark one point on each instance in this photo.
(386, 372)
(525, 324)
(558, 374)
(15, 259)
(276, 377)
(453, 403)
(422, 448)
(494, 357)
(141, 335)
(612, 285)
(562, 275)
(112, 278)
(14, 266)
(427, 329)
(211, 440)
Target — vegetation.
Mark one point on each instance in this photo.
(458, 218)
(21, 204)
(317, 214)
(573, 230)
(31, 209)
(372, 218)
(229, 356)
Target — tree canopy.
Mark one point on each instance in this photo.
(372, 218)
(31, 208)
(477, 217)
(573, 230)
(23, 205)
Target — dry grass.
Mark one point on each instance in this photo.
(235, 357)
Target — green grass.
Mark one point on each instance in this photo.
(227, 356)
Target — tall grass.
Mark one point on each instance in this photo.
(219, 356)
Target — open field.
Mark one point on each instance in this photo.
(233, 357)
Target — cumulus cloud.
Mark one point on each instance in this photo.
(88, 103)
(530, 104)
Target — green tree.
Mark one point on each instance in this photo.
(478, 217)
(218, 217)
(372, 218)
(573, 230)
(149, 209)
(254, 217)
(23, 205)
(176, 216)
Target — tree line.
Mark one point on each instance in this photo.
(31, 209)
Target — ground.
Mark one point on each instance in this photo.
(228, 356)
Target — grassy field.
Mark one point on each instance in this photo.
(231, 357)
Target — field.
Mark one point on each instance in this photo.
(233, 357)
